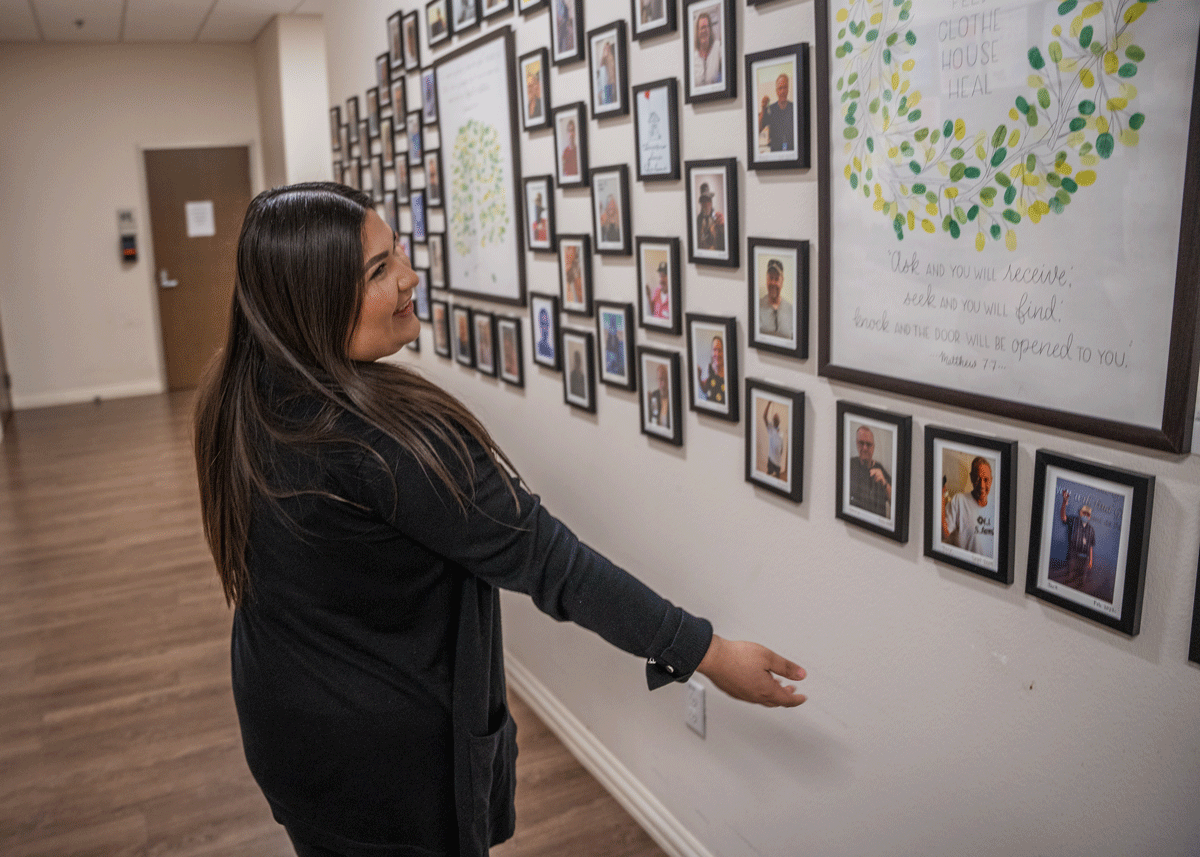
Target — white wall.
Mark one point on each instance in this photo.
(78, 322)
(947, 714)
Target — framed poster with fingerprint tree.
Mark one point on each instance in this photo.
(991, 183)
(481, 193)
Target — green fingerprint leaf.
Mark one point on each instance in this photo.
(1035, 59)
(1010, 195)
(1136, 121)
(1011, 216)
(1105, 145)
(998, 156)
(957, 171)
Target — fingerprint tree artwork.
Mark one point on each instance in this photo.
(479, 198)
(981, 184)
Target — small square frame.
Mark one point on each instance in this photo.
(782, 330)
(614, 337)
(566, 34)
(763, 70)
(857, 501)
(713, 239)
(661, 420)
(543, 314)
(649, 21)
(535, 104)
(566, 155)
(610, 210)
(539, 213)
(609, 77)
(462, 337)
(775, 463)
(579, 369)
(440, 324)
(655, 104)
(483, 339)
(512, 361)
(659, 305)
(702, 83)
(575, 273)
(711, 395)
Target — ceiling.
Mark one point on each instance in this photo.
(107, 21)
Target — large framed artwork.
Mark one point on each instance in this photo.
(477, 103)
(1010, 208)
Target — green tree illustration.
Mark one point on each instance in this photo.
(478, 198)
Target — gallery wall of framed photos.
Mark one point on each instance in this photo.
(682, 227)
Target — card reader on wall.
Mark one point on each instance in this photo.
(127, 228)
(128, 248)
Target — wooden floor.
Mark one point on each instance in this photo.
(117, 728)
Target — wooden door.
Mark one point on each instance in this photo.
(197, 200)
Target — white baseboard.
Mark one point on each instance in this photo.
(26, 401)
(628, 791)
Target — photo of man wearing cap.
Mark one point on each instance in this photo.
(776, 314)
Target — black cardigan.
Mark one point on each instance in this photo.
(368, 666)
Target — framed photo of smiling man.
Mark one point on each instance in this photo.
(777, 113)
(778, 296)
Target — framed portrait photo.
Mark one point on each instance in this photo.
(463, 341)
(401, 175)
(395, 41)
(608, 65)
(778, 295)
(570, 144)
(970, 502)
(575, 273)
(777, 111)
(656, 130)
(539, 213)
(383, 78)
(775, 438)
(352, 117)
(437, 22)
(535, 101)
(399, 98)
(610, 209)
(416, 205)
(512, 364)
(661, 407)
(712, 365)
(709, 50)
(421, 295)
(579, 375)
(433, 177)
(614, 330)
(874, 458)
(387, 141)
(483, 330)
(373, 112)
(566, 31)
(435, 246)
(441, 327)
(429, 111)
(464, 16)
(412, 125)
(492, 8)
(335, 127)
(652, 18)
(658, 284)
(712, 194)
(411, 28)
(543, 312)
(1089, 539)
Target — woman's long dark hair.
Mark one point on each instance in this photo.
(297, 294)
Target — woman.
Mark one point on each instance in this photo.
(361, 519)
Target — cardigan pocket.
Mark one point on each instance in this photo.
(494, 779)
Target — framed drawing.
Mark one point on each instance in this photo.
(335, 126)
(412, 124)
(614, 329)
(463, 340)
(709, 50)
(412, 41)
(437, 21)
(777, 115)
(658, 284)
(652, 18)
(477, 108)
(712, 195)
(421, 294)
(535, 112)
(778, 296)
(543, 311)
(610, 209)
(539, 213)
(441, 327)
(433, 177)
(395, 41)
(1001, 245)
(383, 78)
(874, 457)
(465, 16)
(512, 365)
(352, 117)
(435, 246)
(970, 502)
(429, 111)
(492, 8)
(661, 408)
(575, 273)
(1089, 539)
(656, 130)
(484, 324)
(775, 439)
(566, 31)
(579, 372)
(713, 366)
(570, 144)
(609, 69)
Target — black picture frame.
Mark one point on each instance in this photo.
(579, 369)
(779, 327)
(335, 128)
(535, 110)
(412, 126)
(713, 374)
(420, 216)
(512, 361)
(411, 29)
(543, 316)
(429, 108)
(352, 173)
(538, 198)
(713, 236)
(421, 295)
(570, 145)
(788, 129)
(775, 440)
(373, 112)
(437, 22)
(661, 400)
(364, 138)
(493, 8)
(383, 78)
(376, 167)
(483, 341)
(609, 72)
(1121, 503)
(440, 324)
(610, 210)
(650, 18)
(462, 335)
(434, 183)
(566, 31)
(659, 291)
(464, 16)
(655, 105)
(391, 211)
(528, 7)
(575, 273)
(960, 470)
(395, 29)
(400, 172)
(614, 338)
(706, 80)
(399, 98)
(435, 247)
(890, 437)
(352, 117)
(387, 140)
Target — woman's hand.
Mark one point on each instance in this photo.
(747, 671)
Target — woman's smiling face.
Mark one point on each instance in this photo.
(387, 320)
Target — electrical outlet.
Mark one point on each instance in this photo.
(693, 714)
